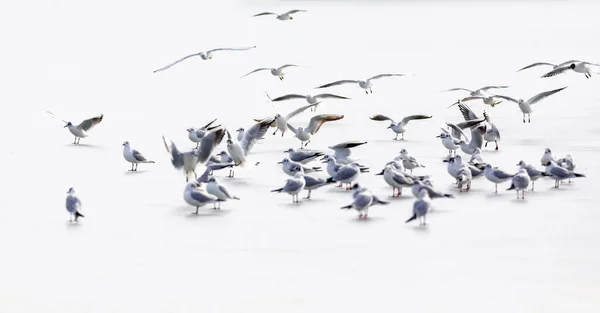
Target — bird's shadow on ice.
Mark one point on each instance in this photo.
(72, 226)
(367, 220)
(209, 212)
(421, 229)
(129, 172)
(82, 145)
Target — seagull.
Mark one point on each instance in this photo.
(196, 134)
(357, 188)
(533, 173)
(346, 174)
(477, 158)
(214, 188)
(280, 121)
(311, 183)
(554, 66)
(287, 166)
(578, 67)
(205, 177)
(489, 100)
(303, 156)
(520, 181)
(333, 166)
(276, 71)
(204, 55)
(525, 106)
(559, 173)
(293, 186)
(476, 170)
(241, 132)
(463, 175)
(409, 162)
(496, 176)
(197, 197)
(491, 133)
(304, 134)
(282, 17)
(73, 205)
(399, 127)
(362, 200)
(190, 159)
(433, 193)
(449, 142)
(239, 150)
(395, 179)
(547, 157)
(133, 156)
(421, 207)
(342, 152)
(311, 99)
(481, 92)
(81, 130)
(364, 84)
(567, 162)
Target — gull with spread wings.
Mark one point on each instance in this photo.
(585, 68)
(525, 106)
(481, 93)
(554, 66)
(399, 127)
(275, 71)
(204, 55)
(282, 17)
(280, 121)
(304, 134)
(81, 130)
(311, 99)
(239, 150)
(364, 84)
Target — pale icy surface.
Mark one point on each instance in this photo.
(139, 250)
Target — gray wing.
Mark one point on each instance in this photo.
(253, 134)
(559, 172)
(176, 156)
(543, 95)
(231, 49)
(339, 82)
(507, 98)
(462, 89)
(331, 96)
(287, 65)
(347, 145)
(73, 204)
(520, 181)
(257, 70)
(567, 63)
(90, 122)
(420, 207)
(536, 64)
(264, 13)
(288, 97)
(415, 117)
(208, 143)
(292, 185)
(467, 113)
(556, 71)
(138, 156)
(381, 117)
(492, 87)
(403, 180)
(502, 174)
(202, 196)
(213, 167)
(345, 172)
(456, 131)
(318, 120)
(313, 181)
(292, 128)
(294, 11)
(299, 110)
(225, 191)
(363, 200)
(384, 75)
(180, 60)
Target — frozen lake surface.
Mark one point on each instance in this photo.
(139, 250)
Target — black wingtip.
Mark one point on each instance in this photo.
(449, 196)
(277, 190)
(330, 180)
(414, 217)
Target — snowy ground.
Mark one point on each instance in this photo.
(139, 249)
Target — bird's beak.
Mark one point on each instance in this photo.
(389, 126)
(66, 125)
(280, 162)
(438, 136)
(323, 161)
(446, 160)
(380, 173)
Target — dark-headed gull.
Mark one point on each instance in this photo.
(496, 176)
(275, 71)
(585, 68)
(520, 182)
(400, 126)
(196, 134)
(304, 134)
(525, 106)
(239, 150)
(198, 197)
(293, 186)
(554, 66)
(214, 188)
(364, 84)
(421, 207)
(281, 121)
(311, 99)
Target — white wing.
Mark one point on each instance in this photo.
(256, 70)
(384, 75)
(540, 96)
(318, 120)
(180, 60)
(230, 49)
(299, 110)
(252, 135)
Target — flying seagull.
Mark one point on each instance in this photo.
(364, 84)
(554, 66)
(311, 99)
(399, 127)
(282, 17)
(585, 68)
(304, 134)
(525, 106)
(275, 71)
(204, 55)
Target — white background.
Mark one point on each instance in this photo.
(139, 250)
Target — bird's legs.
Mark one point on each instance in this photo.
(399, 192)
(469, 186)
(529, 117)
(308, 196)
(131, 170)
(402, 136)
(306, 144)
(136, 166)
(532, 185)
(496, 191)
(523, 117)
(396, 138)
(393, 192)
(523, 194)
(496, 141)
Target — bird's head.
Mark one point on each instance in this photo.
(521, 163)
(284, 161)
(212, 179)
(229, 141)
(403, 151)
(572, 66)
(189, 130)
(547, 150)
(488, 167)
(391, 125)
(442, 135)
(277, 116)
(291, 17)
(356, 186)
(126, 143)
(69, 124)
(240, 129)
(548, 163)
(71, 191)
(290, 150)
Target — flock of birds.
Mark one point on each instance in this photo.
(341, 168)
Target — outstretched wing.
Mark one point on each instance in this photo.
(264, 13)
(300, 110)
(90, 122)
(540, 96)
(56, 117)
(292, 128)
(339, 82)
(213, 167)
(138, 156)
(467, 113)
(288, 97)
(253, 134)
(231, 49)
(507, 98)
(294, 11)
(331, 96)
(556, 71)
(287, 65)
(347, 145)
(384, 75)
(209, 143)
(180, 60)
(318, 120)
(176, 156)
(466, 99)
(415, 117)
(380, 117)
(257, 70)
(461, 89)
(536, 64)
(456, 131)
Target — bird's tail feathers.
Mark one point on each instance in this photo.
(349, 206)
(77, 214)
(512, 187)
(277, 190)
(330, 180)
(413, 217)
(579, 175)
(447, 195)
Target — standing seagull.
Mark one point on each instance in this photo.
(364, 84)
(304, 134)
(311, 99)
(73, 205)
(520, 182)
(399, 127)
(496, 175)
(214, 188)
(80, 131)
(197, 197)
(585, 68)
(533, 173)
(421, 207)
(449, 142)
(204, 55)
(293, 186)
(133, 156)
(240, 150)
(276, 71)
(282, 17)
(525, 106)
(559, 173)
